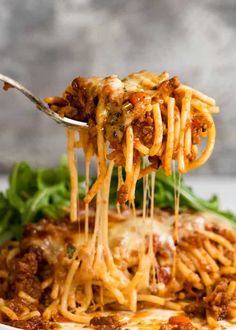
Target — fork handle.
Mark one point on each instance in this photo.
(39, 103)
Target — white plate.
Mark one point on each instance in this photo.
(146, 318)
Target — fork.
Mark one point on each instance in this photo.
(40, 105)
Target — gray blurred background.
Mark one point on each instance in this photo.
(46, 43)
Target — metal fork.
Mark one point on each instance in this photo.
(40, 105)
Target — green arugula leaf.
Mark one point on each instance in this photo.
(32, 195)
(164, 196)
(37, 193)
(188, 199)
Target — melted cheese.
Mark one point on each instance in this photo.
(131, 234)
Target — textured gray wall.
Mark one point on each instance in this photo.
(45, 43)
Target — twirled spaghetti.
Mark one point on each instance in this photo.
(142, 115)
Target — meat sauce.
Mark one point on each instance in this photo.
(105, 323)
(179, 322)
